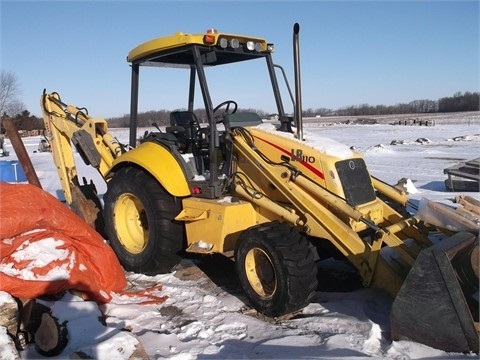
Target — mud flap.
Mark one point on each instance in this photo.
(432, 306)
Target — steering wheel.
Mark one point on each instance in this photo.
(227, 110)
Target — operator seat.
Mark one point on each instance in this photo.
(183, 118)
(189, 136)
(189, 121)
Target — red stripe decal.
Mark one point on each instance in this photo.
(304, 163)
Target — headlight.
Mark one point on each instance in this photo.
(254, 46)
(234, 43)
(223, 43)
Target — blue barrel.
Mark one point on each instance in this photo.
(11, 171)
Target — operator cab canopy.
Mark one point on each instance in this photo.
(195, 52)
(176, 50)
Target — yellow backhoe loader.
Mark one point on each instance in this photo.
(277, 197)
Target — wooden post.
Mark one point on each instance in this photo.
(21, 152)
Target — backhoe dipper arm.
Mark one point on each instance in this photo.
(66, 125)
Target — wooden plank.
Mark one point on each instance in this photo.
(474, 162)
(458, 174)
(463, 174)
(461, 185)
(469, 204)
(468, 199)
(9, 317)
(21, 152)
(472, 166)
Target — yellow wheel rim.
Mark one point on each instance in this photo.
(131, 223)
(260, 272)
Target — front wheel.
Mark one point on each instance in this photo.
(139, 222)
(276, 268)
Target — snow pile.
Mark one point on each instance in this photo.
(38, 255)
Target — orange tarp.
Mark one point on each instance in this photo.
(67, 253)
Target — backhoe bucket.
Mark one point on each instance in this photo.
(437, 304)
(86, 204)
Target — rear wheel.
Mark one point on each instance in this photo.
(139, 221)
(276, 268)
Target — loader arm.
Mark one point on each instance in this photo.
(321, 214)
(67, 126)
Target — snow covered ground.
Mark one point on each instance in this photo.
(206, 315)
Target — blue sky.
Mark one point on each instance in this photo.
(352, 52)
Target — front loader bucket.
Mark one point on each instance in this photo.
(437, 304)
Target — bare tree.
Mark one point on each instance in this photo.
(15, 108)
(9, 90)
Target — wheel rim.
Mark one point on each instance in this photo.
(131, 223)
(260, 272)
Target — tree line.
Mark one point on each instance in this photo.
(467, 101)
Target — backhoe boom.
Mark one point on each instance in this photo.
(67, 125)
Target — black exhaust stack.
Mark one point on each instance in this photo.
(298, 92)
